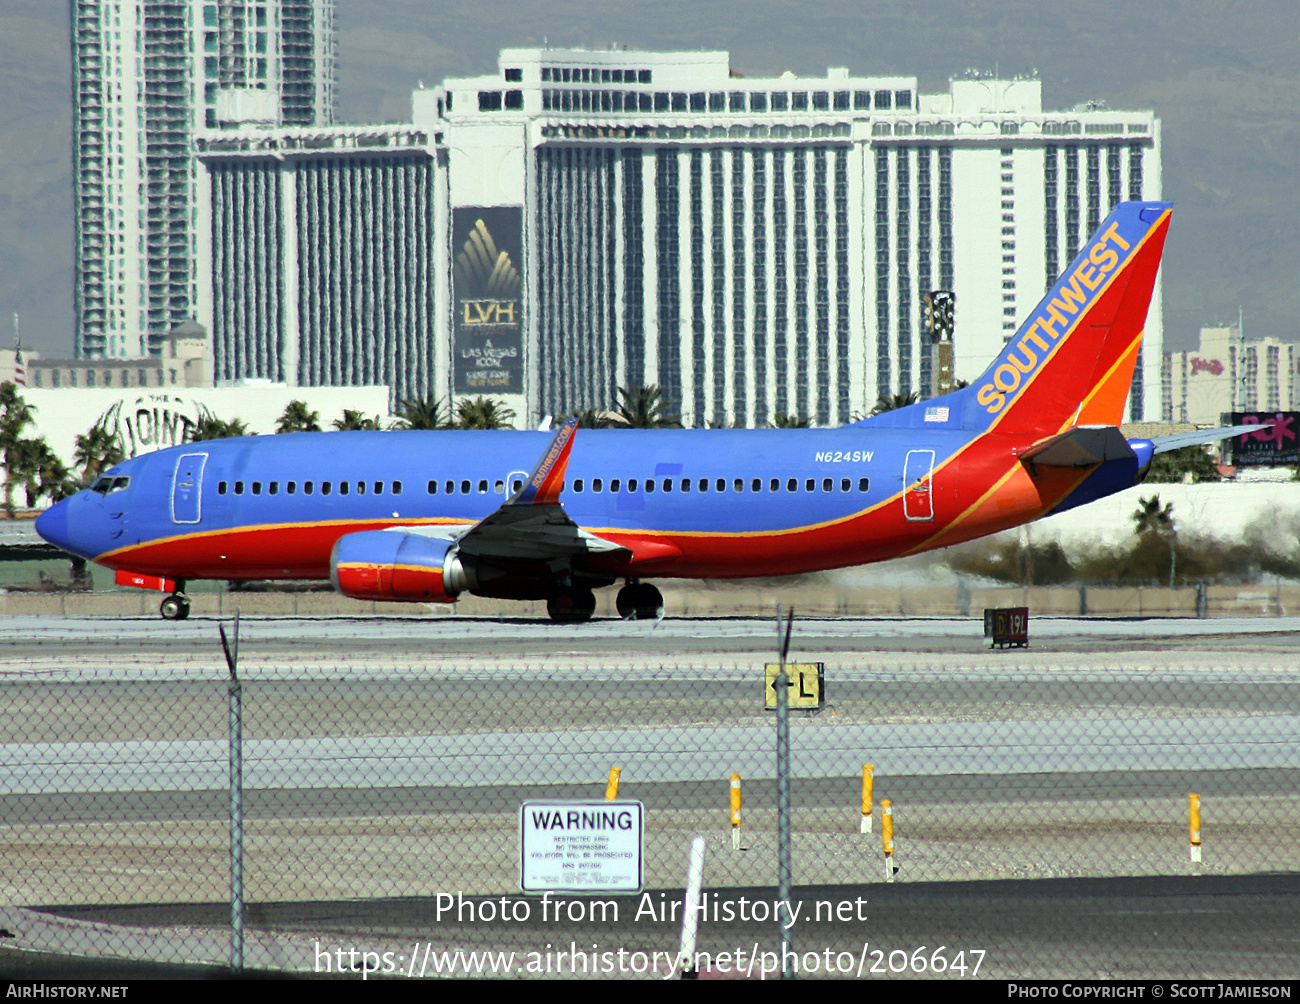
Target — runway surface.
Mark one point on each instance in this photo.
(411, 742)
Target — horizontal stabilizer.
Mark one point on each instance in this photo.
(1083, 446)
(1201, 437)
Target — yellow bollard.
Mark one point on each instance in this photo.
(735, 812)
(887, 835)
(611, 786)
(868, 782)
(1194, 826)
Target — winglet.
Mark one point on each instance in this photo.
(544, 484)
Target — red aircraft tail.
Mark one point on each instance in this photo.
(1072, 361)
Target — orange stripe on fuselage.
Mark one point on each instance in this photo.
(267, 551)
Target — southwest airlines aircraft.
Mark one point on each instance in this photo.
(426, 516)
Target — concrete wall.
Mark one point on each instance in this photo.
(697, 600)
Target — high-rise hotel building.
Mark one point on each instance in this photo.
(147, 76)
(580, 221)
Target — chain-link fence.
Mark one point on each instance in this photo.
(382, 821)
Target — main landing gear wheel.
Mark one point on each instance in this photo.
(175, 607)
(571, 606)
(639, 601)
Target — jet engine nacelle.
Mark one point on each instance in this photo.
(393, 565)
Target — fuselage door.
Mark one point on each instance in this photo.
(187, 488)
(918, 496)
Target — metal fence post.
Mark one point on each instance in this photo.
(236, 803)
(783, 798)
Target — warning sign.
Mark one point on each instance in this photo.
(581, 846)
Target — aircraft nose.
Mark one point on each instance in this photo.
(52, 525)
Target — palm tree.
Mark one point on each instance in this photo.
(483, 413)
(211, 427)
(589, 418)
(38, 470)
(783, 421)
(891, 402)
(646, 407)
(1150, 517)
(15, 415)
(297, 418)
(353, 421)
(421, 413)
(96, 451)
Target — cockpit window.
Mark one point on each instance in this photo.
(108, 484)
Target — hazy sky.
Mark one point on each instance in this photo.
(1223, 75)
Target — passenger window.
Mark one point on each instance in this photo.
(361, 487)
(668, 484)
(810, 485)
(257, 488)
(307, 487)
(756, 485)
(464, 487)
(704, 484)
(597, 485)
(343, 487)
(515, 485)
(649, 485)
(721, 484)
(686, 484)
(450, 488)
(326, 487)
(845, 484)
(433, 487)
(379, 487)
(577, 485)
(774, 485)
(397, 488)
(292, 486)
(239, 488)
(631, 484)
(738, 485)
(826, 484)
(863, 484)
(614, 486)
(792, 485)
(221, 488)
(274, 487)
(499, 487)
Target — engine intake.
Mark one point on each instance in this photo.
(394, 565)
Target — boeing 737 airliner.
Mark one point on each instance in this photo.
(427, 516)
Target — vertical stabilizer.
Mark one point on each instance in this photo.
(1072, 361)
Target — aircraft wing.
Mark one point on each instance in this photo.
(532, 525)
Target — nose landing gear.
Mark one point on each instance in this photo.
(175, 607)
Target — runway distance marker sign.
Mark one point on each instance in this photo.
(806, 683)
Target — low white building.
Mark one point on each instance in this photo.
(148, 418)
